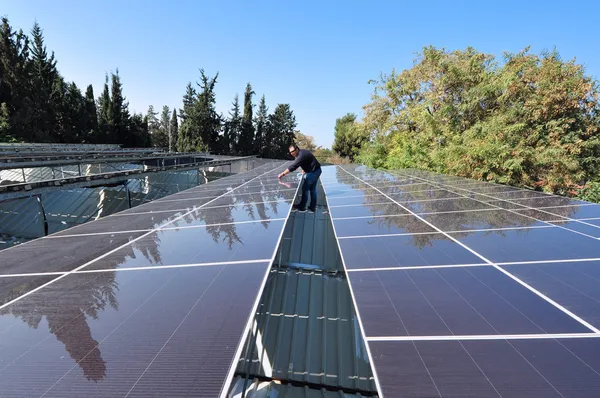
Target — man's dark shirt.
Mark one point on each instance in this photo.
(306, 160)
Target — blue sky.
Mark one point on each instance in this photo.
(315, 55)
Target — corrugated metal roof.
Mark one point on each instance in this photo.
(254, 388)
(306, 331)
(309, 242)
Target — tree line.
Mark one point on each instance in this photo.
(37, 104)
(240, 133)
(530, 120)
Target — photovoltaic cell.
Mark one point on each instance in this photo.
(440, 320)
(523, 368)
(453, 301)
(95, 329)
(164, 332)
(218, 243)
(574, 285)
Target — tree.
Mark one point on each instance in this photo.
(5, 131)
(15, 82)
(246, 139)
(71, 114)
(44, 107)
(90, 116)
(173, 132)
(532, 121)
(201, 124)
(43, 78)
(153, 125)
(232, 129)
(261, 127)
(281, 132)
(104, 114)
(138, 131)
(348, 137)
(119, 113)
(208, 120)
(305, 141)
(160, 128)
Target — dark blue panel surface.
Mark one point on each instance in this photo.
(480, 220)
(382, 209)
(453, 301)
(445, 205)
(575, 285)
(151, 333)
(404, 251)
(481, 369)
(217, 243)
(530, 245)
(402, 224)
(575, 212)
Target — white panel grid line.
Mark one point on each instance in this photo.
(530, 288)
(226, 193)
(393, 268)
(362, 204)
(354, 196)
(250, 320)
(425, 214)
(447, 232)
(128, 243)
(144, 268)
(554, 336)
(166, 228)
(575, 260)
(358, 316)
(175, 211)
(449, 187)
(378, 216)
(417, 267)
(395, 186)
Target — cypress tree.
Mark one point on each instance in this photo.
(162, 139)
(282, 127)
(173, 132)
(90, 117)
(104, 104)
(232, 128)
(43, 79)
(119, 112)
(261, 128)
(15, 82)
(246, 140)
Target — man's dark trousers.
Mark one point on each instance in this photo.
(310, 186)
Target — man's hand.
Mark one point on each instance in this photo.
(283, 174)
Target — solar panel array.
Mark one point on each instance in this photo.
(467, 288)
(153, 301)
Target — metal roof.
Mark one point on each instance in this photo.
(255, 388)
(309, 242)
(306, 331)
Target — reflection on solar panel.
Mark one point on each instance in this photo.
(153, 301)
(467, 288)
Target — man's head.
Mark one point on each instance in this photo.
(294, 150)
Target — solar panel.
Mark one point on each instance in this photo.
(468, 288)
(152, 301)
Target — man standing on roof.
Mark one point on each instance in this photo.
(311, 171)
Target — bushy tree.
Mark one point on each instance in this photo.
(531, 121)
